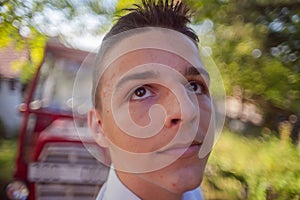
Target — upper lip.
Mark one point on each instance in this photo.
(180, 146)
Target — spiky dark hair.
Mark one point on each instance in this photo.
(156, 13)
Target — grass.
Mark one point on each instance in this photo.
(253, 168)
(7, 158)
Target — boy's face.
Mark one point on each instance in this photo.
(181, 91)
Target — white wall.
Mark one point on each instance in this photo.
(9, 101)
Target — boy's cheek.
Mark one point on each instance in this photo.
(139, 113)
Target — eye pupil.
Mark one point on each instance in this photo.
(194, 87)
(140, 92)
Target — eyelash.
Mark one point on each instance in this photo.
(149, 92)
(201, 85)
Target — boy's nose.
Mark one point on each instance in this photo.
(182, 107)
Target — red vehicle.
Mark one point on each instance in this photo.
(52, 160)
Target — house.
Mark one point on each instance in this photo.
(10, 90)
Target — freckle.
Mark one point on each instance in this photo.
(174, 184)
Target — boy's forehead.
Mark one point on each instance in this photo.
(150, 38)
(150, 63)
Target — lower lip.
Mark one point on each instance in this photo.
(184, 152)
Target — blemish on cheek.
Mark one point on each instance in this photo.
(174, 185)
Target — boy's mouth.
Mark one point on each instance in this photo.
(182, 150)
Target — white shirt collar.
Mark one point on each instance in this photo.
(115, 189)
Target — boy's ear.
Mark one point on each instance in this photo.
(95, 124)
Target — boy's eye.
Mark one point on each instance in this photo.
(141, 93)
(196, 87)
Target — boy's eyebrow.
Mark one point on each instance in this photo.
(137, 76)
(190, 71)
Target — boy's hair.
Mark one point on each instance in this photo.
(151, 13)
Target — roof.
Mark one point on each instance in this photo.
(58, 49)
(9, 55)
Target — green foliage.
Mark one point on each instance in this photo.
(256, 48)
(7, 157)
(125, 4)
(7, 154)
(260, 167)
(36, 48)
(34, 45)
(22, 38)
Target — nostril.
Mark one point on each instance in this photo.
(174, 121)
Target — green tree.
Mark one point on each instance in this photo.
(256, 46)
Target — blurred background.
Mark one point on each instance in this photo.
(256, 46)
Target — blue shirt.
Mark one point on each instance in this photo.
(114, 189)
